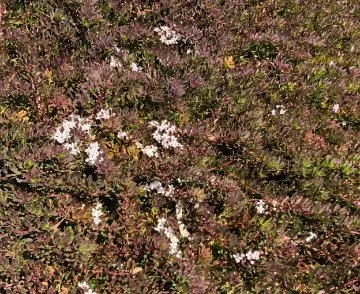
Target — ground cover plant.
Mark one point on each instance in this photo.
(179, 146)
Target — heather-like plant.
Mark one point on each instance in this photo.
(179, 146)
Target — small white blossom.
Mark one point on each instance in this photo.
(261, 206)
(86, 288)
(174, 242)
(161, 225)
(72, 147)
(122, 136)
(151, 151)
(83, 285)
(139, 145)
(168, 232)
(96, 213)
(238, 257)
(104, 114)
(135, 67)
(250, 256)
(253, 255)
(157, 187)
(167, 36)
(279, 108)
(336, 108)
(164, 134)
(63, 132)
(312, 236)
(93, 152)
(115, 62)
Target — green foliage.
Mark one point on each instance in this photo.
(252, 88)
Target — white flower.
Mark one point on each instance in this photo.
(122, 136)
(168, 232)
(93, 151)
(61, 135)
(174, 242)
(251, 256)
(63, 132)
(96, 213)
(279, 108)
(261, 206)
(72, 147)
(135, 67)
(282, 111)
(151, 151)
(86, 288)
(116, 49)
(85, 126)
(161, 225)
(167, 36)
(104, 114)
(170, 190)
(238, 257)
(83, 285)
(336, 108)
(157, 187)
(164, 134)
(115, 62)
(139, 145)
(312, 236)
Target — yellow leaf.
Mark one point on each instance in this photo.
(51, 269)
(21, 115)
(199, 194)
(136, 270)
(55, 227)
(48, 74)
(229, 62)
(133, 151)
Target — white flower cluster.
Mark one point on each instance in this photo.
(115, 62)
(164, 134)
(93, 152)
(312, 236)
(280, 108)
(150, 150)
(168, 232)
(135, 67)
(73, 147)
(261, 206)
(157, 187)
(83, 285)
(167, 36)
(250, 256)
(122, 135)
(104, 114)
(63, 132)
(96, 213)
(336, 108)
